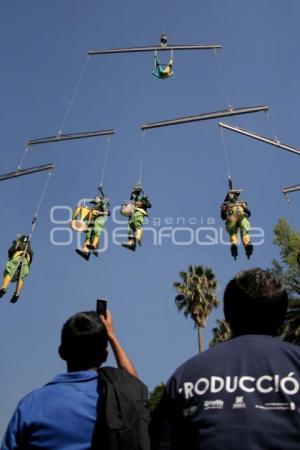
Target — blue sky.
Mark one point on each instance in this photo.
(43, 47)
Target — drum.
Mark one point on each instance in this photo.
(81, 218)
(127, 209)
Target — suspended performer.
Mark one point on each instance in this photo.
(162, 70)
(235, 212)
(17, 268)
(138, 211)
(98, 211)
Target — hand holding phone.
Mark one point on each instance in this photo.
(101, 307)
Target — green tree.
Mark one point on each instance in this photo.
(288, 270)
(155, 396)
(220, 333)
(197, 296)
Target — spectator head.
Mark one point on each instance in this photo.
(255, 302)
(84, 341)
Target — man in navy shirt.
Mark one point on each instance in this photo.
(242, 394)
(62, 414)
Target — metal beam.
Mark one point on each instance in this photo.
(213, 115)
(153, 48)
(259, 137)
(289, 189)
(67, 137)
(21, 172)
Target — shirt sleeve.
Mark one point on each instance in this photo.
(13, 436)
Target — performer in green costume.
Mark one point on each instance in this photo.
(235, 212)
(99, 211)
(136, 219)
(17, 267)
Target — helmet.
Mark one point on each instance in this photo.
(23, 238)
(137, 188)
(97, 199)
(163, 40)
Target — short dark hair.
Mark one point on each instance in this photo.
(255, 302)
(83, 340)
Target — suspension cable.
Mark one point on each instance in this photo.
(23, 157)
(225, 153)
(291, 211)
(105, 160)
(141, 157)
(33, 225)
(34, 220)
(272, 126)
(221, 72)
(163, 9)
(73, 96)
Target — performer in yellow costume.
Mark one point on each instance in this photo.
(135, 221)
(235, 212)
(17, 267)
(99, 210)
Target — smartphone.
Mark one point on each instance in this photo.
(101, 307)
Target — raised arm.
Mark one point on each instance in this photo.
(122, 359)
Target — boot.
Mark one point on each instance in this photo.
(234, 250)
(2, 292)
(138, 236)
(247, 245)
(93, 244)
(84, 252)
(16, 295)
(130, 244)
(84, 255)
(14, 298)
(249, 250)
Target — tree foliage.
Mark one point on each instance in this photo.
(155, 396)
(220, 333)
(197, 296)
(288, 270)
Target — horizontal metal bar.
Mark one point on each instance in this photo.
(288, 189)
(213, 115)
(30, 170)
(67, 137)
(153, 48)
(259, 137)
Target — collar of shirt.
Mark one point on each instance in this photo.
(69, 377)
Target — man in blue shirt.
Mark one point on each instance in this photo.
(62, 414)
(243, 393)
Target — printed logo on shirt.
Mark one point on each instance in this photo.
(290, 406)
(239, 403)
(213, 404)
(264, 384)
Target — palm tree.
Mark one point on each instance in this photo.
(291, 328)
(220, 333)
(197, 296)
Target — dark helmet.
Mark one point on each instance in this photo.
(137, 188)
(97, 200)
(23, 238)
(235, 192)
(163, 40)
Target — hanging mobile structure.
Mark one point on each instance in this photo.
(60, 136)
(214, 115)
(136, 209)
(161, 70)
(21, 172)
(235, 213)
(91, 219)
(71, 136)
(294, 188)
(275, 142)
(20, 253)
